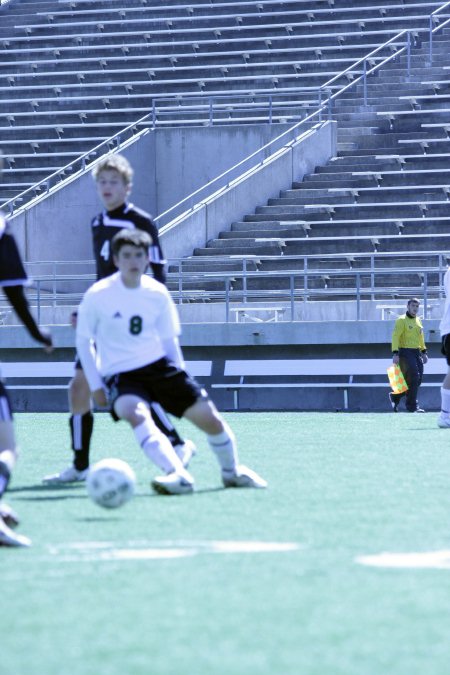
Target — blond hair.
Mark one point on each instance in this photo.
(114, 163)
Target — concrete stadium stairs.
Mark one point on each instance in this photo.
(74, 72)
(386, 191)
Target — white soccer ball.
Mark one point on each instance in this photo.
(110, 483)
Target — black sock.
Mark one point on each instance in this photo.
(5, 475)
(81, 427)
(164, 424)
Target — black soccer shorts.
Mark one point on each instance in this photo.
(159, 382)
(445, 347)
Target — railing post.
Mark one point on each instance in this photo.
(365, 82)
(270, 109)
(408, 57)
(38, 299)
(153, 114)
(320, 105)
(180, 283)
(430, 54)
(292, 289)
(425, 294)
(210, 100)
(227, 300)
(244, 279)
(330, 104)
(358, 296)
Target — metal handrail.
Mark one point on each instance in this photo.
(318, 113)
(443, 259)
(45, 292)
(325, 105)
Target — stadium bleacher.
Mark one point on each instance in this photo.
(72, 73)
(95, 68)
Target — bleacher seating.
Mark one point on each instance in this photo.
(95, 67)
(71, 73)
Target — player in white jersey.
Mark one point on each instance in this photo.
(444, 327)
(113, 176)
(134, 325)
(12, 280)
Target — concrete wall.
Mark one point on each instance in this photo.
(259, 184)
(169, 164)
(218, 342)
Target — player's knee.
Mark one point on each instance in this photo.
(132, 411)
(79, 394)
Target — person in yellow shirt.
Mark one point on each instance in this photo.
(410, 353)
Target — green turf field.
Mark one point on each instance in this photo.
(235, 582)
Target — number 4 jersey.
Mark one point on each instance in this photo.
(128, 325)
(108, 223)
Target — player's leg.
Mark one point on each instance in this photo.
(81, 424)
(444, 417)
(155, 445)
(81, 419)
(204, 415)
(407, 366)
(185, 449)
(8, 456)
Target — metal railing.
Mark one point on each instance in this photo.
(56, 180)
(366, 279)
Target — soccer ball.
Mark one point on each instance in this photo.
(110, 483)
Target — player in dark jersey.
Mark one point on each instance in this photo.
(12, 280)
(113, 176)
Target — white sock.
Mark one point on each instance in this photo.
(224, 447)
(445, 401)
(157, 447)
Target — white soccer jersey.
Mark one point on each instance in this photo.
(444, 326)
(128, 325)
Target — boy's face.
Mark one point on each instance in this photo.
(112, 189)
(132, 263)
(413, 308)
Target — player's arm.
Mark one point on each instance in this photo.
(157, 261)
(19, 302)
(86, 352)
(173, 352)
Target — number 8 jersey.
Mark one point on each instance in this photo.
(127, 325)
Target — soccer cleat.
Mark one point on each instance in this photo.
(185, 451)
(10, 538)
(242, 477)
(69, 475)
(443, 421)
(174, 484)
(393, 402)
(9, 517)
(418, 410)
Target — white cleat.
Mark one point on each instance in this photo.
(10, 538)
(443, 421)
(9, 517)
(175, 483)
(69, 475)
(242, 477)
(185, 452)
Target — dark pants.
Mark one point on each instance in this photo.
(411, 365)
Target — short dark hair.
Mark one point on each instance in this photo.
(413, 300)
(137, 238)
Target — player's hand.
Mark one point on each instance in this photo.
(425, 358)
(48, 341)
(395, 359)
(99, 396)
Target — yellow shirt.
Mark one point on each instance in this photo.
(408, 332)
